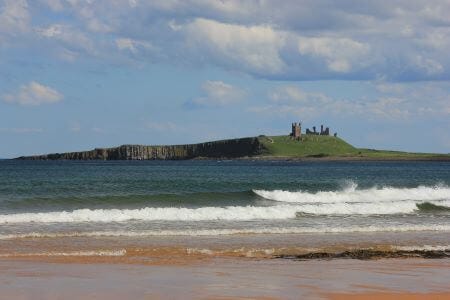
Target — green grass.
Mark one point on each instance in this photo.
(393, 154)
(310, 145)
(330, 146)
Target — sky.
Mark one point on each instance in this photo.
(80, 74)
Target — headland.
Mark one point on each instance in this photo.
(311, 145)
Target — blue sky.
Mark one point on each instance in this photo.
(79, 74)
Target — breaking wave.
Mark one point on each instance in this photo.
(215, 232)
(120, 252)
(230, 213)
(348, 201)
(351, 194)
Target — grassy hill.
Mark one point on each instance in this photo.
(333, 147)
(265, 147)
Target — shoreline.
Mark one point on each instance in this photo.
(149, 250)
(271, 158)
(191, 256)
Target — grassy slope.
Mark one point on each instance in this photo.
(329, 146)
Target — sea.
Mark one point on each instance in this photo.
(211, 204)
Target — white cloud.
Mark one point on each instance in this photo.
(290, 93)
(428, 65)
(394, 102)
(133, 45)
(69, 39)
(219, 93)
(96, 25)
(14, 17)
(387, 108)
(51, 31)
(380, 108)
(126, 44)
(339, 53)
(133, 3)
(253, 48)
(33, 94)
(393, 88)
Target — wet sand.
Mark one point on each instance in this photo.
(391, 296)
(269, 266)
(227, 278)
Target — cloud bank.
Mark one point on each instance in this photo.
(290, 40)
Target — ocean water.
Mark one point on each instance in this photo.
(222, 198)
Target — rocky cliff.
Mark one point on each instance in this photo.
(218, 149)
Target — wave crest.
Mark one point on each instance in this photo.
(351, 194)
(230, 213)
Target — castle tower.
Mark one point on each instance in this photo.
(296, 130)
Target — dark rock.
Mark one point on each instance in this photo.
(232, 148)
(365, 254)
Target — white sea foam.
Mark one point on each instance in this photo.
(351, 194)
(217, 232)
(154, 214)
(424, 248)
(229, 213)
(248, 252)
(120, 252)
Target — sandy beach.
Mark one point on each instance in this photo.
(219, 278)
(229, 267)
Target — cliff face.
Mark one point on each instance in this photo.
(218, 149)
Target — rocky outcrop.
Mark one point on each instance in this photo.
(232, 148)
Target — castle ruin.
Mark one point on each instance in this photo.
(296, 132)
(323, 131)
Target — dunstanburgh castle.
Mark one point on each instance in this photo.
(296, 132)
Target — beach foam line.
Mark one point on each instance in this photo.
(229, 213)
(426, 251)
(120, 252)
(351, 194)
(423, 248)
(218, 232)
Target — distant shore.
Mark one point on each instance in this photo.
(284, 159)
(309, 148)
